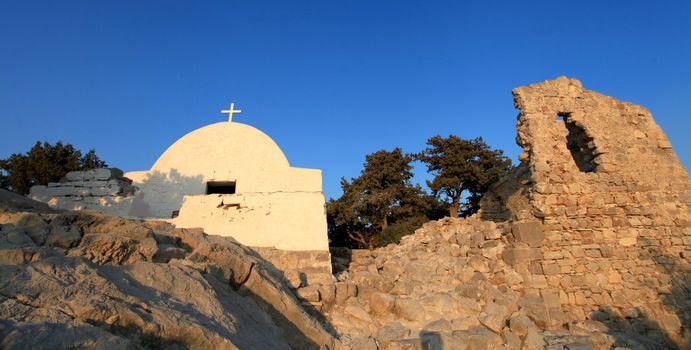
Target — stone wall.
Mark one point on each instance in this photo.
(300, 268)
(307, 272)
(103, 190)
(610, 228)
(586, 244)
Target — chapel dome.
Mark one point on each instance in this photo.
(220, 149)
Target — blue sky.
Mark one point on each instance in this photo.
(329, 81)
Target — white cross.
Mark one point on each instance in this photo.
(231, 111)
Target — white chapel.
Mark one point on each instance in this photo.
(229, 178)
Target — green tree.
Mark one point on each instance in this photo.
(44, 163)
(375, 200)
(462, 168)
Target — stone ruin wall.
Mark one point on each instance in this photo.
(301, 268)
(586, 244)
(601, 216)
(102, 190)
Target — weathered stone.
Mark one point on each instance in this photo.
(327, 293)
(345, 291)
(356, 310)
(440, 325)
(529, 233)
(392, 331)
(478, 339)
(309, 293)
(409, 309)
(381, 303)
(533, 340)
(464, 323)
(520, 325)
(494, 316)
(364, 343)
(513, 256)
(511, 340)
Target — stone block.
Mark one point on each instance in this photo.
(552, 298)
(533, 340)
(513, 256)
(381, 303)
(469, 304)
(75, 176)
(392, 331)
(345, 291)
(536, 310)
(355, 310)
(364, 343)
(59, 191)
(529, 233)
(553, 255)
(103, 191)
(81, 191)
(409, 309)
(551, 269)
(37, 191)
(593, 253)
(478, 339)
(92, 200)
(628, 241)
(309, 293)
(494, 316)
(440, 325)
(464, 323)
(98, 174)
(511, 340)
(89, 183)
(520, 324)
(327, 293)
(607, 251)
(492, 233)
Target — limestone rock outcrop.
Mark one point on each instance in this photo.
(87, 280)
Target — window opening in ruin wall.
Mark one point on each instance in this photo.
(580, 144)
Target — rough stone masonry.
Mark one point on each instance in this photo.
(104, 190)
(587, 244)
(608, 228)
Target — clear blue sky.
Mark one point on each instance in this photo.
(330, 81)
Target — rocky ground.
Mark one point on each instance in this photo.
(86, 280)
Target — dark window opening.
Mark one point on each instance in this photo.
(579, 144)
(220, 187)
